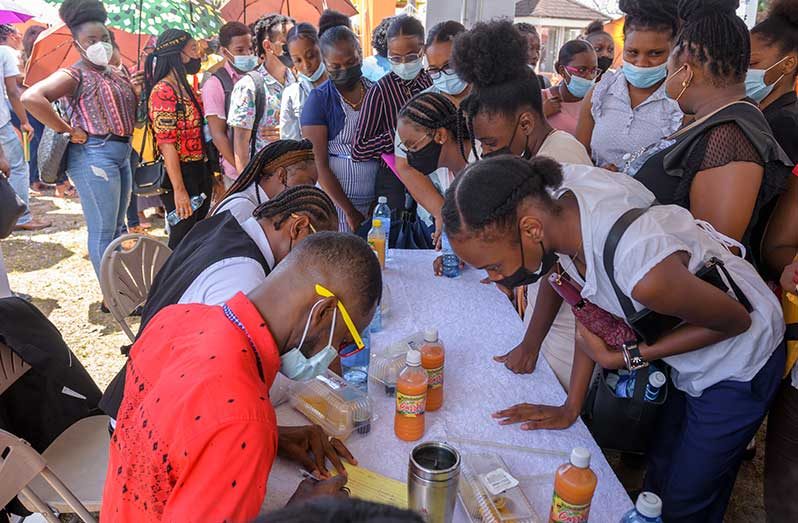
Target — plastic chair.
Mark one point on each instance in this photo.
(11, 367)
(126, 275)
(67, 478)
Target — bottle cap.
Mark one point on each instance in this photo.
(580, 457)
(649, 505)
(413, 358)
(382, 199)
(377, 223)
(657, 379)
(431, 334)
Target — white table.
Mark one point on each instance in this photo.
(475, 322)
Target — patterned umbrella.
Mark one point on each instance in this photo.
(248, 11)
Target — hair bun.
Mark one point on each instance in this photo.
(786, 9)
(692, 10)
(596, 26)
(77, 12)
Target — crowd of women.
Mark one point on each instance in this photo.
(527, 177)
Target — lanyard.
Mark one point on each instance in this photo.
(228, 312)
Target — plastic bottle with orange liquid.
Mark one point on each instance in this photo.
(432, 357)
(411, 399)
(376, 240)
(574, 485)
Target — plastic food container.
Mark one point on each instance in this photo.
(386, 365)
(337, 407)
(483, 497)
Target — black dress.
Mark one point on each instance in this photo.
(736, 133)
(782, 115)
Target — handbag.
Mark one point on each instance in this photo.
(149, 177)
(52, 152)
(11, 207)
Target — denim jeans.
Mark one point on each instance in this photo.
(100, 171)
(12, 148)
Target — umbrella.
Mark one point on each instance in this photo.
(302, 10)
(11, 12)
(53, 50)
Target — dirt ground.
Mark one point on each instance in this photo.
(53, 267)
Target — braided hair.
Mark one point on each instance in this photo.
(444, 32)
(435, 111)
(304, 199)
(6, 30)
(485, 197)
(265, 27)
(75, 13)
(781, 26)
(405, 25)
(379, 37)
(650, 15)
(261, 165)
(303, 30)
(714, 35)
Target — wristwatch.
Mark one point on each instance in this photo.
(632, 357)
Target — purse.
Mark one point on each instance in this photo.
(11, 207)
(52, 152)
(149, 177)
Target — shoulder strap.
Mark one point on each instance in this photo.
(73, 100)
(260, 108)
(610, 246)
(227, 86)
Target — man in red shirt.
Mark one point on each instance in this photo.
(196, 433)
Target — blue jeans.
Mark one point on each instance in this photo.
(12, 148)
(100, 171)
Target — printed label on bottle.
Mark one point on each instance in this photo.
(411, 405)
(373, 246)
(435, 377)
(564, 512)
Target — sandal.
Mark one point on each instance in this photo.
(65, 190)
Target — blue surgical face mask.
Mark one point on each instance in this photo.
(755, 86)
(449, 84)
(579, 86)
(315, 76)
(409, 70)
(644, 77)
(296, 366)
(245, 63)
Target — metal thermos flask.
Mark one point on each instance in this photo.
(432, 478)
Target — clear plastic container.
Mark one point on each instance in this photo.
(386, 365)
(338, 407)
(478, 475)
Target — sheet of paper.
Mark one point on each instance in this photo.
(368, 485)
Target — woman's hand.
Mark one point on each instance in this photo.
(269, 133)
(534, 417)
(78, 135)
(597, 349)
(551, 106)
(789, 278)
(437, 266)
(521, 360)
(354, 218)
(137, 80)
(182, 203)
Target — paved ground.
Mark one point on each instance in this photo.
(53, 266)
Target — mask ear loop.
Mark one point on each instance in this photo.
(307, 325)
(332, 329)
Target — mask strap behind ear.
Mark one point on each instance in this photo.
(307, 325)
(332, 329)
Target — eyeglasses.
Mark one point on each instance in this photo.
(324, 292)
(406, 59)
(435, 73)
(413, 148)
(590, 72)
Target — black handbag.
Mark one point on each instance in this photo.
(149, 177)
(11, 207)
(52, 153)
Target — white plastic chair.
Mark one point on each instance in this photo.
(11, 368)
(126, 275)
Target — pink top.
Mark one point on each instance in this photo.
(106, 102)
(213, 100)
(568, 116)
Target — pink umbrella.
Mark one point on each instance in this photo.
(248, 11)
(11, 12)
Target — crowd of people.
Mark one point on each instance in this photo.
(272, 163)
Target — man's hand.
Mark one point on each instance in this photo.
(310, 488)
(534, 417)
(520, 360)
(311, 447)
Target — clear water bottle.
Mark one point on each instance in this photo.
(648, 509)
(383, 213)
(656, 380)
(451, 263)
(196, 202)
(355, 363)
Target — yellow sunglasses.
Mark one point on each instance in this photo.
(322, 291)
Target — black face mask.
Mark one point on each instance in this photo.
(425, 160)
(285, 58)
(193, 66)
(526, 155)
(346, 78)
(524, 276)
(604, 63)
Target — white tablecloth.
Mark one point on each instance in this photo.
(475, 323)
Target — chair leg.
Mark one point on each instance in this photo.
(40, 506)
(66, 494)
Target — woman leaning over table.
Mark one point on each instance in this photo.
(101, 103)
(303, 47)
(175, 112)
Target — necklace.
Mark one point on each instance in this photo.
(356, 105)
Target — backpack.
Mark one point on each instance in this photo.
(260, 108)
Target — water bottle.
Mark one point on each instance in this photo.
(383, 212)
(656, 380)
(648, 509)
(376, 323)
(626, 385)
(196, 202)
(451, 263)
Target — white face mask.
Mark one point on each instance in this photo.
(296, 366)
(99, 53)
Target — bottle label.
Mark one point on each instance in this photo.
(435, 377)
(411, 405)
(564, 512)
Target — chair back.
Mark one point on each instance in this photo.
(127, 272)
(11, 368)
(18, 468)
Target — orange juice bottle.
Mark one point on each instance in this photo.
(411, 399)
(574, 485)
(432, 356)
(376, 241)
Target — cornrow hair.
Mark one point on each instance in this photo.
(379, 37)
(405, 25)
(6, 30)
(434, 111)
(485, 196)
(444, 32)
(651, 15)
(264, 27)
(781, 26)
(261, 165)
(714, 35)
(302, 30)
(305, 199)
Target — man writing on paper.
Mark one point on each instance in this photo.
(196, 434)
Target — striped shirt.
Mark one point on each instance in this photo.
(379, 114)
(106, 102)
